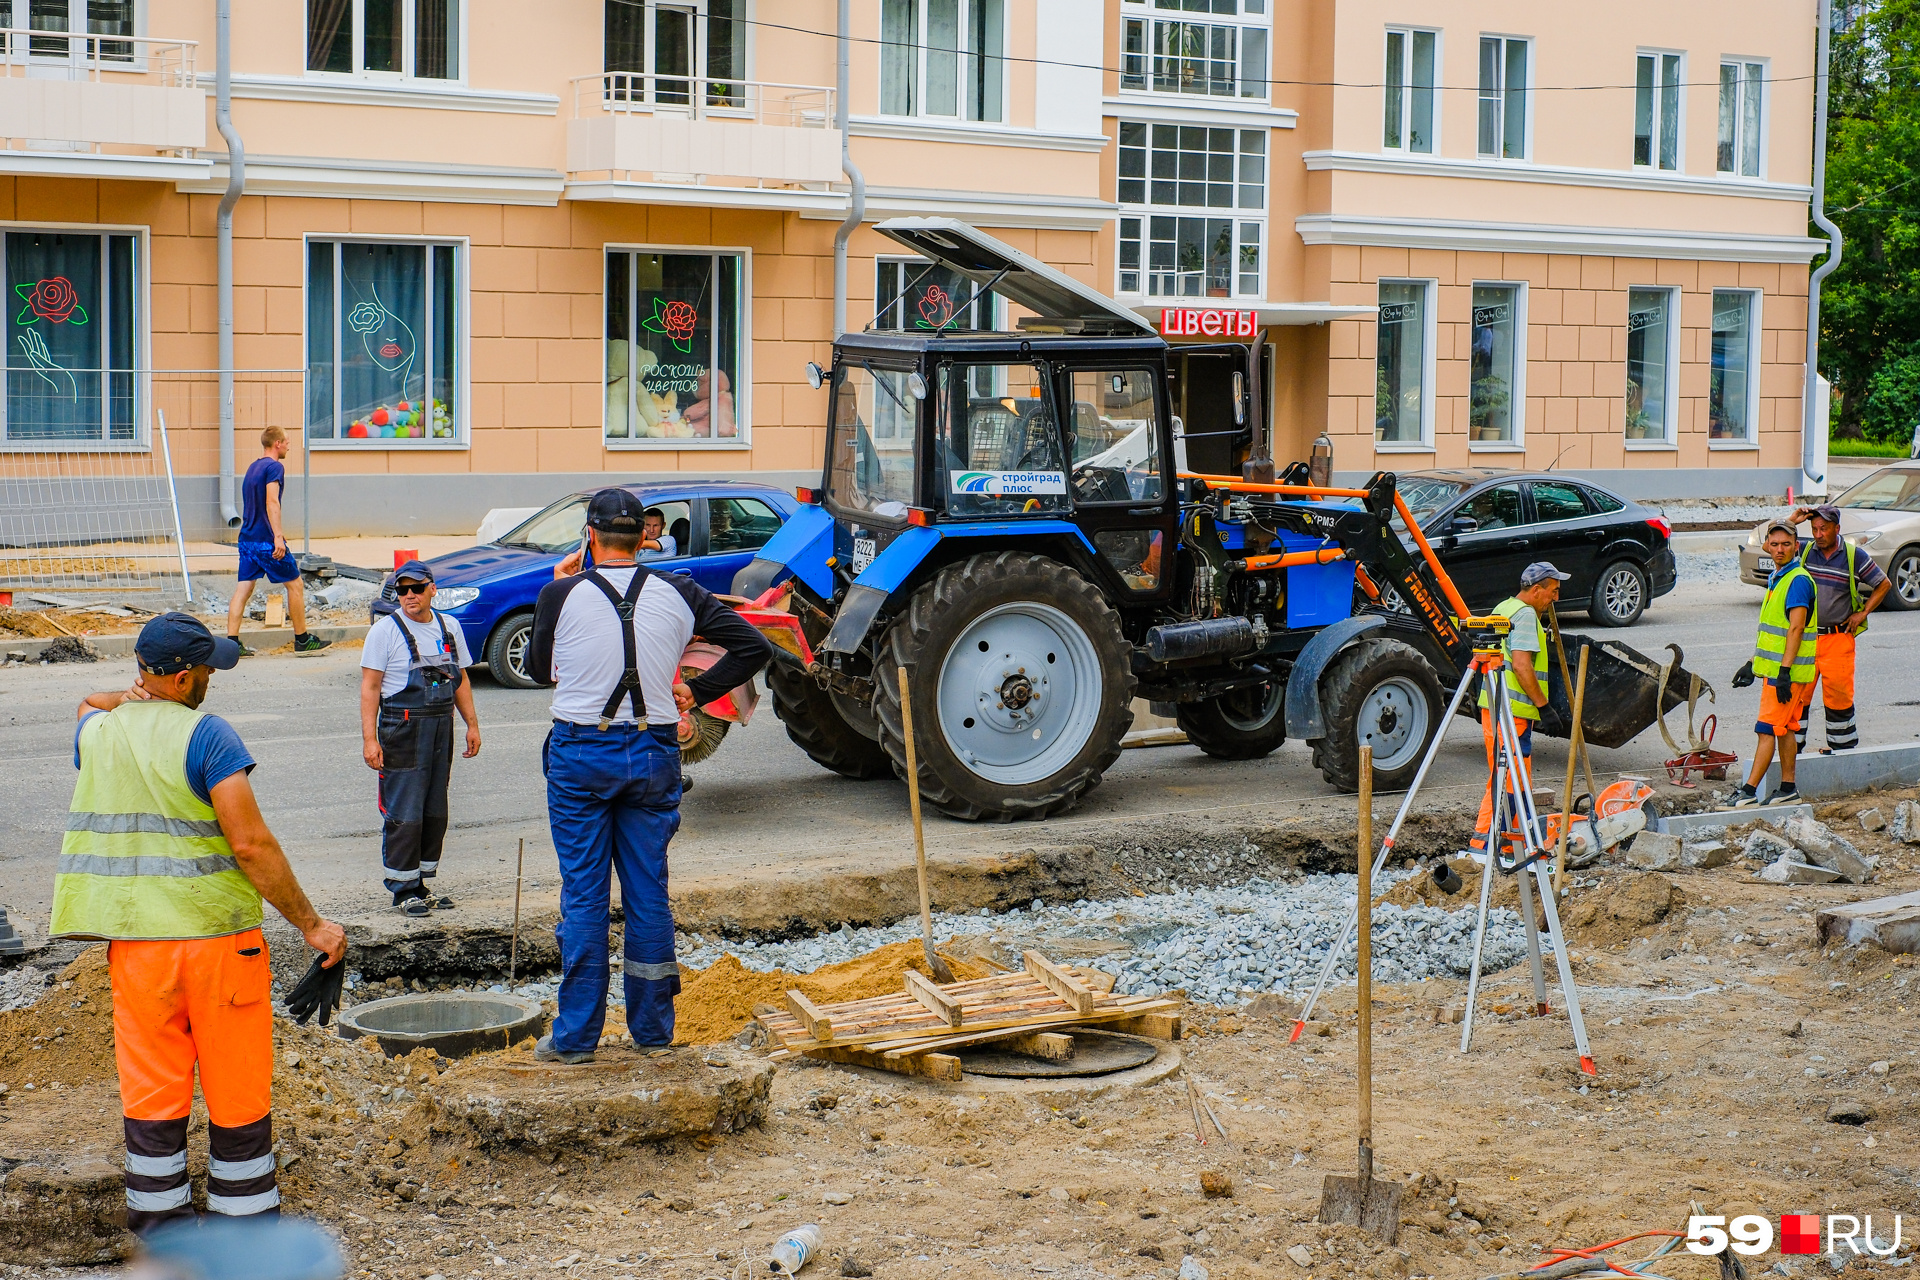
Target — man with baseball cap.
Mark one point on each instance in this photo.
(407, 702)
(167, 858)
(1526, 662)
(1783, 656)
(1841, 574)
(610, 641)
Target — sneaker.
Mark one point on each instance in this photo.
(312, 644)
(1743, 797)
(543, 1050)
(414, 906)
(1788, 794)
(245, 650)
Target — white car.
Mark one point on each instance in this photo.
(1880, 516)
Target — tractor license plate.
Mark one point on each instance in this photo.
(864, 550)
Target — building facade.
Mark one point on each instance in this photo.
(480, 262)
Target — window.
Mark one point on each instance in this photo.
(1603, 502)
(1409, 115)
(1400, 413)
(1730, 382)
(1115, 437)
(1213, 47)
(1738, 149)
(384, 327)
(658, 52)
(1650, 334)
(739, 524)
(1553, 502)
(999, 441)
(73, 337)
(870, 457)
(1503, 97)
(943, 58)
(1656, 111)
(1495, 508)
(417, 38)
(81, 17)
(1495, 364)
(937, 298)
(1167, 170)
(674, 345)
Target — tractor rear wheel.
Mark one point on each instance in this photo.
(1245, 724)
(1383, 694)
(1021, 683)
(818, 725)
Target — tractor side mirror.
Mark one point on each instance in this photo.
(816, 376)
(1239, 399)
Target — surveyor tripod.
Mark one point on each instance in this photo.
(1516, 823)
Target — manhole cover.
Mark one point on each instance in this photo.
(455, 1023)
(1095, 1053)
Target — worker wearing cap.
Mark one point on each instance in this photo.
(1841, 573)
(1784, 656)
(610, 640)
(1525, 663)
(413, 674)
(166, 857)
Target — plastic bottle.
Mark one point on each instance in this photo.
(796, 1248)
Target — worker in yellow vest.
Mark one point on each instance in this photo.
(1526, 660)
(166, 857)
(1785, 656)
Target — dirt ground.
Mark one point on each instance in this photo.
(1724, 1038)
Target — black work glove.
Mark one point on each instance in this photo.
(1744, 676)
(317, 991)
(1783, 686)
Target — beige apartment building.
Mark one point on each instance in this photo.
(480, 262)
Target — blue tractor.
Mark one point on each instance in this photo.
(1036, 526)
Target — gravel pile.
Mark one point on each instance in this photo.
(1703, 567)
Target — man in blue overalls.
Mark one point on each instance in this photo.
(610, 641)
(413, 674)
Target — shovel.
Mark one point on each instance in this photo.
(1361, 1202)
(935, 962)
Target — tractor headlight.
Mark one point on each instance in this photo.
(454, 597)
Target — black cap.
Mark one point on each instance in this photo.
(416, 570)
(175, 642)
(1828, 512)
(615, 511)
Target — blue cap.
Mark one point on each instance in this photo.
(1539, 571)
(175, 642)
(413, 569)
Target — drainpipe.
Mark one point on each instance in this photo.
(857, 184)
(1812, 431)
(236, 182)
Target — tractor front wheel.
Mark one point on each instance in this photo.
(819, 724)
(1382, 694)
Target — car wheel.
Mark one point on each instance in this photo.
(1620, 595)
(1904, 569)
(507, 651)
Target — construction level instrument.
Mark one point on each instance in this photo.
(935, 963)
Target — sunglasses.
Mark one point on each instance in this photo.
(411, 588)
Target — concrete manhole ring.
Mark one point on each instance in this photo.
(453, 1023)
(1095, 1053)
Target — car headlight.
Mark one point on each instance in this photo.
(1864, 539)
(454, 597)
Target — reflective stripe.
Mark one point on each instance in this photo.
(159, 1201)
(146, 824)
(1769, 630)
(401, 877)
(157, 1166)
(103, 864)
(651, 972)
(240, 1170)
(242, 1206)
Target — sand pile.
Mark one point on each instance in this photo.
(717, 1002)
(68, 1034)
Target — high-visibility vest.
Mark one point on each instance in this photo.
(1770, 648)
(1517, 696)
(144, 857)
(1853, 579)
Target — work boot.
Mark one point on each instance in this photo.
(1743, 797)
(543, 1050)
(310, 644)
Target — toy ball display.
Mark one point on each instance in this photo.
(378, 417)
(358, 431)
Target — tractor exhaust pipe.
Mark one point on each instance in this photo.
(1209, 638)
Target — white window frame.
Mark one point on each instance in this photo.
(1527, 97)
(142, 441)
(1755, 299)
(17, 16)
(462, 341)
(641, 90)
(1250, 14)
(910, 266)
(1429, 365)
(1406, 90)
(1680, 125)
(1671, 405)
(1233, 213)
(743, 378)
(356, 35)
(966, 54)
(1518, 391)
(1761, 142)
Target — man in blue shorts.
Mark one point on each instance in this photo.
(263, 547)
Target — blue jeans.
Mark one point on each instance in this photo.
(613, 801)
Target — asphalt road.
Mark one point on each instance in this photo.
(761, 809)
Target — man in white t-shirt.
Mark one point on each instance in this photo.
(413, 674)
(655, 542)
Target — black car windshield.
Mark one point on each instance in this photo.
(1889, 489)
(1425, 496)
(555, 531)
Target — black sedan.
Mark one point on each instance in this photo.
(1486, 526)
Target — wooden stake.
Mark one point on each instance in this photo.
(1364, 962)
(513, 955)
(1574, 751)
(941, 971)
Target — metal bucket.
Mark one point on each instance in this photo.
(1622, 684)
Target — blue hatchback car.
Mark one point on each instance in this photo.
(715, 526)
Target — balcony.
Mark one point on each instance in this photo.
(80, 105)
(693, 140)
